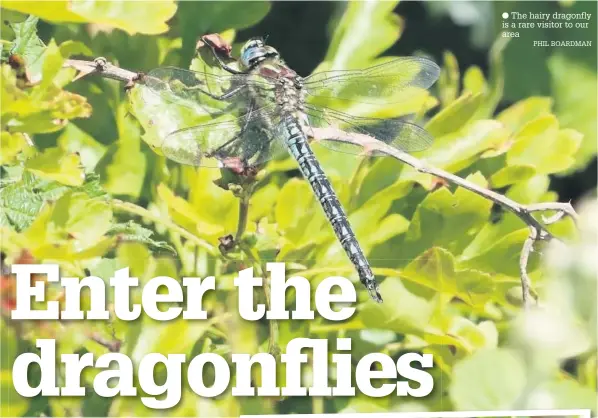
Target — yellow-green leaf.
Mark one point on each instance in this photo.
(56, 164)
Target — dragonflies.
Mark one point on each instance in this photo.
(262, 108)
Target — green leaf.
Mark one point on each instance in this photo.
(13, 404)
(82, 218)
(378, 179)
(122, 168)
(55, 164)
(52, 64)
(19, 205)
(293, 202)
(448, 82)
(502, 254)
(488, 380)
(12, 145)
(22, 200)
(128, 16)
(412, 315)
(215, 206)
(199, 18)
(458, 150)
(474, 81)
(564, 394)
(512, 174)
(576, 108)
(541, 144)
(185, 215)
(446, 220)
(44, 108)
(70, 230)
(519, 114)
(379, 28)
(132, 231)
(455, 116)
(74, 140)
(28, 45)
(435, 269)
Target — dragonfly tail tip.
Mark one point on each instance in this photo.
(374, 294)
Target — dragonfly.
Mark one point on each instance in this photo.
(260, 109)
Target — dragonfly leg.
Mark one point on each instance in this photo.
(224, 96)
(248, 118)
(222, 64)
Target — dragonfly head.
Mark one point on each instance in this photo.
(255, 51)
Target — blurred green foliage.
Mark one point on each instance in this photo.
(84, 185)
(567, 74)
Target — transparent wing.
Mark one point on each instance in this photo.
(327, 123)
(375, 85)
(209, 91)
(238, 143)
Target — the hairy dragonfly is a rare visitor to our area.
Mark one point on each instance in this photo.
(261, 107)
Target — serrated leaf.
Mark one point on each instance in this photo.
(22, 200)
(132, 231)
(19, 206)
(70, 229)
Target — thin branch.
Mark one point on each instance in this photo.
(113, 345)
(243, 212)
(528, 248)
(538, 230)
(562, 209)
(103, 68)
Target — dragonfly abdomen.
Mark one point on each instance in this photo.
(313, 173)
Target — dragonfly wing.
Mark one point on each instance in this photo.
(239, 143)
(380, 84)
(400, 134)
(209, 91)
